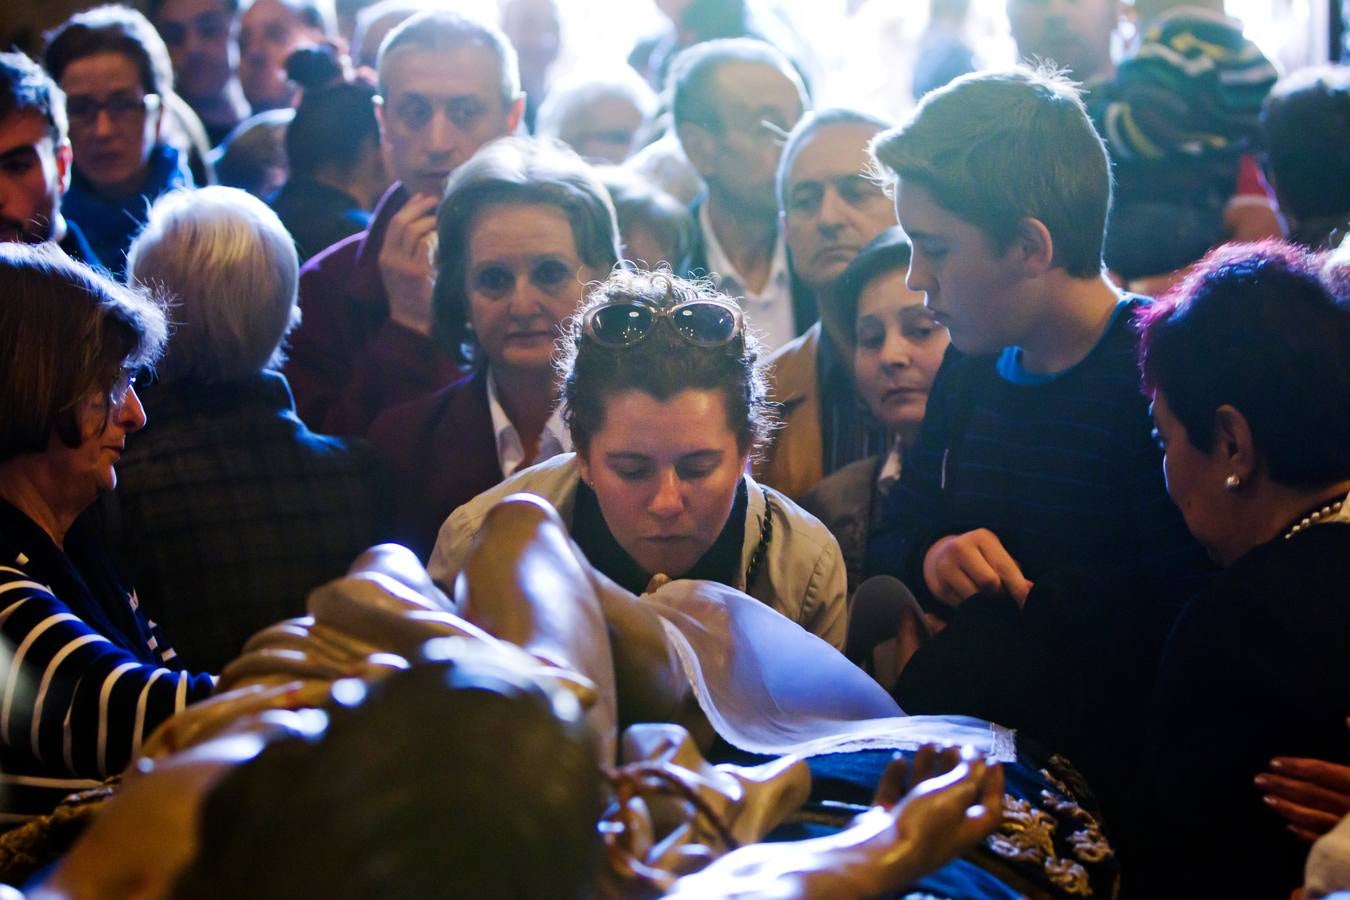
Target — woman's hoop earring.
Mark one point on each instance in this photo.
(1232, 483)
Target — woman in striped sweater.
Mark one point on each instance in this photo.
(84, 675)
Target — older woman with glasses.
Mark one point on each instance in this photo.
(87, 675)
(522, 228)
(663, 394)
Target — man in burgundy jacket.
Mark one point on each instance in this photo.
(448, 85)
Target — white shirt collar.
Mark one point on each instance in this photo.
(888, 476)
(770, 312)
(510, 452)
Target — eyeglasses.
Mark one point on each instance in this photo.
(121, 109)
(121, 390)
(625, 323)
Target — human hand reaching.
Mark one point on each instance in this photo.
(406, 266)
(1311, 795)
(959, 566)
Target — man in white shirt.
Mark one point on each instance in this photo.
(734, 101)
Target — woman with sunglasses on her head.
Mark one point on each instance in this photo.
(86, 674)
(663, 395)
(523, 227)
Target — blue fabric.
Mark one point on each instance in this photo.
(1010, 360)
(76, 246)
(90, 676)
(110, 224)
(318, 215)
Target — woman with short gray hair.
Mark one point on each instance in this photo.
(230, 510)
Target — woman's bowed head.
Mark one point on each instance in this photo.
(665, 401)
(1248, 366)
(77, 343)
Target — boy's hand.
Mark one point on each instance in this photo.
(960, 566)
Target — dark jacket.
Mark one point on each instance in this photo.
(1257, 666)
(76, 246)
(317, 215)
(441, 452)
(348, 361)
(229, 510)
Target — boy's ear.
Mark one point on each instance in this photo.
(1034, 245)
(514, 113)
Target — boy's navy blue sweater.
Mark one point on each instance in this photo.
(1062, 468)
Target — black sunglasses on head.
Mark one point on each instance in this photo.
(625, 323)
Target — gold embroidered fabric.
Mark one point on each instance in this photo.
(1028, 836)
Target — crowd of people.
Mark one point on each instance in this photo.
(1024, 415)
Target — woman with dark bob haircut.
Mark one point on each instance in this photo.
(664, 397)
(523, 227)
(1248, 365)
(87, 675)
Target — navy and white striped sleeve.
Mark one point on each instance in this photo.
(71, 700)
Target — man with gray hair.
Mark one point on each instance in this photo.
(733, 102)
(228, 509)
(830, 209)
(448, 85)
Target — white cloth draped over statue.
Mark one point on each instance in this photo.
(768, 686)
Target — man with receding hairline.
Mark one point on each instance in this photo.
(830, 208)
(448, 85)
(734, 101)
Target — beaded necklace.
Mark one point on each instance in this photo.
(1330, 512)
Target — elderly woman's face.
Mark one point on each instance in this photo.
(84, 471)
(665, 474)
(898, 351)
(1195, 481)
(525, 277)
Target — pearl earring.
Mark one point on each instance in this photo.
(1232, 483)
